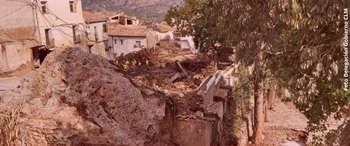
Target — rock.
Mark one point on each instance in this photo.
(78, 98)
(193, 133)
(292, 143)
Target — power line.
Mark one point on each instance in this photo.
(14, 11)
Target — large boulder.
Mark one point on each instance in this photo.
(77, 98)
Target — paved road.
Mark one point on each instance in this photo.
(9, 83)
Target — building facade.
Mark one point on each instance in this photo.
(39, 25)
(164, 32)
(125, 39)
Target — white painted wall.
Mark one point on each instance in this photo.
(98, 37)
(16, 19)
(92, 32)
(25, 17)
(128, 44)
(15, 14)
(186, 43)
(163, 35)
(61, 21)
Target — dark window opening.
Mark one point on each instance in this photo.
(72, 6)
(44, 7)
(105, 43)
(104, 27)
(121, 42)
(76, 37)
(39, 55)
(138, 44)
(95, 31)
(129, 22)
(42, 54)
(115, 18)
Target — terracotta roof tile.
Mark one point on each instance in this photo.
(163, 28)
(90, 16)
(115, 29)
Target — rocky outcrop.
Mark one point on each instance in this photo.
(76, 98)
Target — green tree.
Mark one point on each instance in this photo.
(310, 58)
(298, 41)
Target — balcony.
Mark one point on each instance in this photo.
(50, 43)
(77, 39)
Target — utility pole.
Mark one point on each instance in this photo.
(35, 7)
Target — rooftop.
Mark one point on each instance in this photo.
(98, 16)
(163, 28)
(115, 29)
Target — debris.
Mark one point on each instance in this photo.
(182, 69)
(86, 98)
(172, 79)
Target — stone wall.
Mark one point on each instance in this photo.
(15, 55)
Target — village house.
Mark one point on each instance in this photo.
(34, 27)
(96, 32)
(163, 32)
(125, 39)
(96, 26)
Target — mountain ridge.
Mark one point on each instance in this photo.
(143, 9)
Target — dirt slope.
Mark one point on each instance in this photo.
(78, 98)
(285, 124)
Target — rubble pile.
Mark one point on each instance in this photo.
(77, 98)
(157, 68)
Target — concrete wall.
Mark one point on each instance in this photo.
(163, 35)
(126, 45)
(14, 55)
(184, 44)
(151, 39)
(17, 19)
(193, 133)
(101, 49)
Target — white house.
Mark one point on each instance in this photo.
(164, 32)
(38, 25)
(96, 28)
(125, 39)
(97, 37)
(123, 19)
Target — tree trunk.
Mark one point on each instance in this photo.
(259, 98)
(258, 112)
(269, 101)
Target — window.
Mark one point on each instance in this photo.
(76, 38)
(44, 7)
(115, 41)
(115, 18)
(104, 27)
(47, 37)
(95, 32)
(129, 22)
(72, 6)
(121, 42)
(138, 44)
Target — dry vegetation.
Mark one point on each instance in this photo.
(9, 133)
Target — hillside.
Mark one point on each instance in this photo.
(143, 9)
